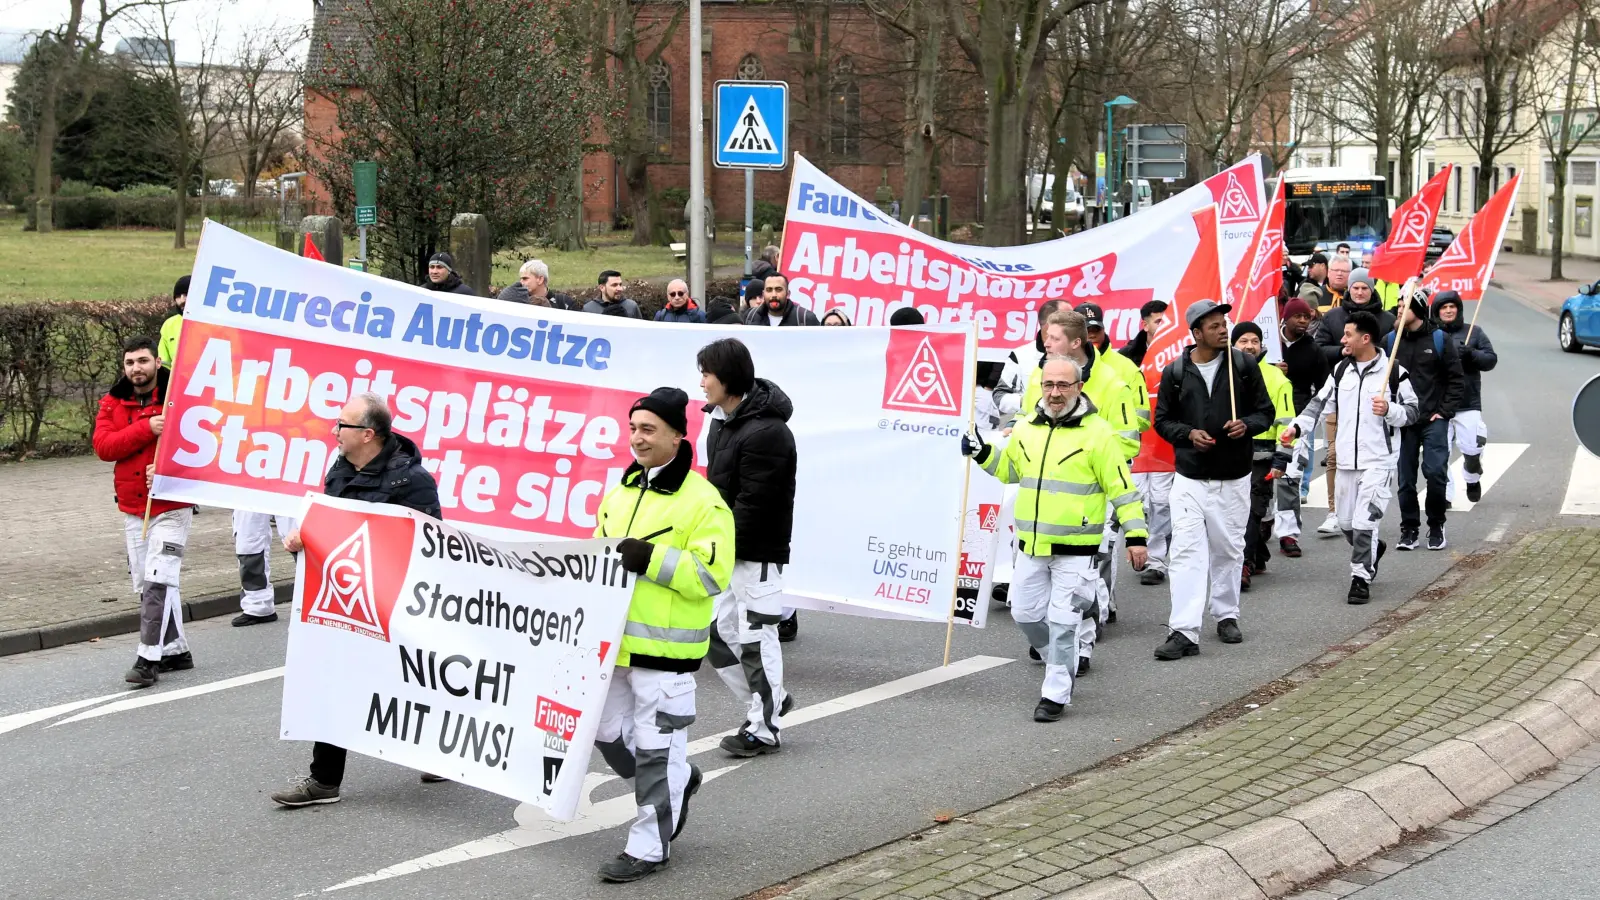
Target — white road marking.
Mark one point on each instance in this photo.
(23, 719)
(1497, 460)
(142, 700)
(534, 827)
(1583, 485)
(1498, 533)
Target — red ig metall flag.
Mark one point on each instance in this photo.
(1260, 274)
(1406, 250)
(1465, 267)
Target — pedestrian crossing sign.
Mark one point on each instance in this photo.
(752, 125)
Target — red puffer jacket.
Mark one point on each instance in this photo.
(122, 435)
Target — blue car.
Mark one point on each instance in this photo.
(1580, 319)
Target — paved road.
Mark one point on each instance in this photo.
(169, 799)
(1542, 853)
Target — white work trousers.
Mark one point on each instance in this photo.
(1155, 489)
(1049, 596)
(1469, 434)
(1207, 556)
(155, 559)
(252, 542)
(1286, 506)
(643, 735)
(1361, 498)
(744, 644)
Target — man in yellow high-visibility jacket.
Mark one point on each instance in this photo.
(1068, 464)
(1268, 460)
(678, 539)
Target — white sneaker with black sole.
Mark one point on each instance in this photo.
(1330, 526)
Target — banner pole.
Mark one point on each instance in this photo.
(1406, 291)
(961, 520)
(149, 495)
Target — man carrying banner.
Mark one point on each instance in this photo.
(1266, 461)
(377, 466)
(1368, 446)
(1211, 401)
(1071, 469)
(751, 460)
(679, 539)
(1020, 365)
(1467, 428)
(126, 428)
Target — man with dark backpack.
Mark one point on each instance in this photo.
(1434, 365)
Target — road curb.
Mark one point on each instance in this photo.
(26, 640)
(1350, 825)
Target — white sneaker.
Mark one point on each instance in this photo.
(1330, 526)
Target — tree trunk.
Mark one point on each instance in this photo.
(1558, 210)
(1004, 209)
(919, 138)
(44, 150)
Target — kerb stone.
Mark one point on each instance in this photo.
(1348, 823)
(1277, 853)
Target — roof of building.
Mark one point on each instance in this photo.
(335, 26)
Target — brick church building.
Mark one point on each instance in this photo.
(852, 127)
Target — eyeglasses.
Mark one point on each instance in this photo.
(1050, 386)
(341, 426)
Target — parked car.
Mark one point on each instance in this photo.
(1439, 242)
(1579, 325)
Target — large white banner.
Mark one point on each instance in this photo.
(840, 251)
(522, 413)
(483, 661)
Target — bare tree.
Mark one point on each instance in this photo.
(1565, 93)
(73, 52)
(636, 50)
(261, 99)
(1007, 42)
(1490, 59)
(920, 28)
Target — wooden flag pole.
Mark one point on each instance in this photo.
(961, 520)
(1233, 398)
(1474, 323)
(1406, 291)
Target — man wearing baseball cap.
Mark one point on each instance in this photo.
(678, 540)
(1211, 401)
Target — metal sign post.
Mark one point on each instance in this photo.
(697, 163)
(365, 176)
(749, 220)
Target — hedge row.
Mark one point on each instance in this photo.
(57, 360)
(88, 213)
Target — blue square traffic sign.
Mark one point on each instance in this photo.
(752, 125)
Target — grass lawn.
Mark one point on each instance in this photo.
(130, 264)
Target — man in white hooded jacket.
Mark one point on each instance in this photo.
(1370, 415)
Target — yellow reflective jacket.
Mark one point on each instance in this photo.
(167, 347)
(1066, 470)
(1128, 371)
(1282, 394)
(669, 619)
(1113, 400)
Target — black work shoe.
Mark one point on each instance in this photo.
(788, 704)
(1383, 547)
(1360, 591)
(1083, 666)
(1152, 576)
(1408, 539)
(243, 619)
(789, 629)
(430, 778)
(143, 673)
(178, 662)
(1289, 547)
(1048, 711)
(1111, 617)
(1228, 631)
(746, 745)
(1244, 579)
(625, 868)
(1033, 654)
(1436, 539)
(1475, 492)
(689, 790)
(1176, 647)
(307, 792)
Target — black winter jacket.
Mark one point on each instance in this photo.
(751, 460)
(395, 476)
(1136, 348)
(1185, 404)
(452, 284)
(1330, 331)
(1477, 356)
(1438, 382)
(794, 315)
(1308, 368)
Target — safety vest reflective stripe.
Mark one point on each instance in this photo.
(1134, 525)
(1068, 530)
(1129, 497)
(669, 635)
(1059, 487)
(669, 567)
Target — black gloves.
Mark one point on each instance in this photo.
(973, 445)
(635, 555)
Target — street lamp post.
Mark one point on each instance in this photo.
(1111, 106)
(697, 187)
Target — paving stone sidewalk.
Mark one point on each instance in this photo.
(65, 561)
(1465, 657)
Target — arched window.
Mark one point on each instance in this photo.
(658, 108)
(845, 110)
(750, 69)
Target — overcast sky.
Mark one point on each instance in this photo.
(193, 18)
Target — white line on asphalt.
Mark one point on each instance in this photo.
(1497, 460)
(143, 700)
(1583, 485)
(19, 720)
(534, 827)
(1499, 532)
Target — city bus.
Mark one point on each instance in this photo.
(1324, 207)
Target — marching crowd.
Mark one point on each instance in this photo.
(1191, 473)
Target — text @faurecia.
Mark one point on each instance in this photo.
(919, 428)
(541, 342)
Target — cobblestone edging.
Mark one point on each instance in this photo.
(1472, 693)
